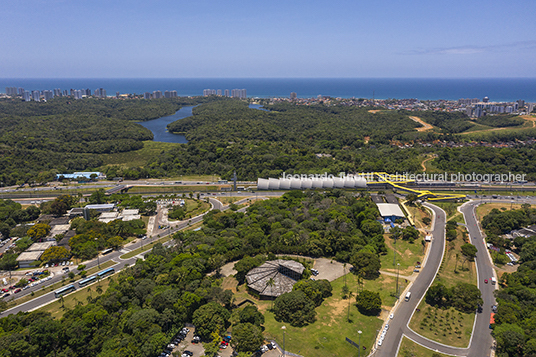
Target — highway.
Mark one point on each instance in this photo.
(115, 256)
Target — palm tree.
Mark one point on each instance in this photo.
(271, 284)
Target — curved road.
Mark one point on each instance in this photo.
(481, 343)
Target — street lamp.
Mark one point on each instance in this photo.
(397, 269)
(284, 328)
(359, 349)
(98, 260)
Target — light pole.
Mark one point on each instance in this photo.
(397, 269)
(98, 260)
(284, 328)
(359, 349)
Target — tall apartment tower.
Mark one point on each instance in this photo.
(219, 92)
(26, 96)
(21, 91)
(293, 96)
(226, 92)
(146, 95)
(173, 94)
(157, 94)
(48, 94)
(100, 93)
(36, 95)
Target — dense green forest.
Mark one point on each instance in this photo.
(319, 126)
(66, 135)
(148, 303)
(38, 140)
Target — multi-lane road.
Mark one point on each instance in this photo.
(481, 343)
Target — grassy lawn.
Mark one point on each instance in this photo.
(408, 254)
(408, 348)
(139, 157)
(194, 207)
(450, 208)
(456, 269)
(171, 189)
(486, 208)
(227, 200)
(418, 213)
(79, 297)
(145, 247)
(449, 326)
(326, 336)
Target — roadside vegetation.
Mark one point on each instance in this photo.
(447, 313)
(408, 348)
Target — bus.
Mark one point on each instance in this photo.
(408, 296)
(64, 291)
(106, 272)
(87, 281)
(106, 251)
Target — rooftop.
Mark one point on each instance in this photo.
(284, 274)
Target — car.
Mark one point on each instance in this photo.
(415, 270)
(5, 290)
(479, 308)
(72, 263)
(196, 339)
(486, 281)
(494, 308)
(264, 349)
(46, 265)
(391, 316)
(418, 266)
(18, 290)
(188, 353)
(5, 295)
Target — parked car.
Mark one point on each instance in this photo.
(18, 290)
(486, 281)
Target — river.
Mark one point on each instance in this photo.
(159, 126)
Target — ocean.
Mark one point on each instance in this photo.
(497, 89)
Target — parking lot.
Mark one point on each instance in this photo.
(329, 269)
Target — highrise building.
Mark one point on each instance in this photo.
(48, 94)
(79, 93)
(173, 94)
(65, 93)
(167, 94)
(57, 92)
(100, 93)
(219, 92)
(293, 96)
(36, 95)
(26, 96)
(11, 91)
(207, 92)
(226, 92)
(146, 95)
(21, 91)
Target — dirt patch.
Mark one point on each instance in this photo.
(374, 111)
(229, 283)
(425, 126)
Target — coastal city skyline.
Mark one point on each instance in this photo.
(301, 39)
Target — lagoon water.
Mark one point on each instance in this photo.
(159, 126)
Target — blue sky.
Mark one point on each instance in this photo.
(202, 38)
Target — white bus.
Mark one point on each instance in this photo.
(408, 296)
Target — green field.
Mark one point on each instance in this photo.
(139, 157)
(408, 254)
(408, 348)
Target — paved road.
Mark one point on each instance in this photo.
(481, 343)
(398, 325)
(115, 256)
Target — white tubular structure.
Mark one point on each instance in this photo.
(307, 183)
